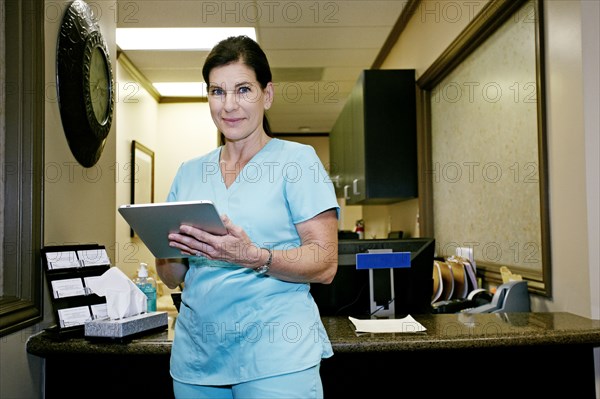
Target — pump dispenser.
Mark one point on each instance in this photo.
(147, 285)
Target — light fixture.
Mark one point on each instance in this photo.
(181, 89)
(184, 39)
(176, 38)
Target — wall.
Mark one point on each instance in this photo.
(137, 120)
(78, 202)
(566, 155)
(590, 15)
(186, 131)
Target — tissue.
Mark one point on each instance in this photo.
(123, 297)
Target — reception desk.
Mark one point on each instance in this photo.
(492, 355)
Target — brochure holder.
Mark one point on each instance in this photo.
(68, 270)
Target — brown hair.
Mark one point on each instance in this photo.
(247, 51)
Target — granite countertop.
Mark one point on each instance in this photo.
(443, 331)
(470, 331)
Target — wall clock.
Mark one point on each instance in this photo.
(84, 82)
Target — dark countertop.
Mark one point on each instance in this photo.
(471, 331)
(444, 331)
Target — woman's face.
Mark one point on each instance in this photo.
(237, 102)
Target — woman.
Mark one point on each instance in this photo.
(248, 326)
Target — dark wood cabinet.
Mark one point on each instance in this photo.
(374, 140)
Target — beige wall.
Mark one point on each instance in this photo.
(590, 15)
(78, 202)
(186, 130)
(590, 51)
(137, 120)
(566, 161)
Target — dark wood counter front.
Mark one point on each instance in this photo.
(478, 354)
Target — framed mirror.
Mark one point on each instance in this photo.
(142, 174)
(22, 164)
(483, 145)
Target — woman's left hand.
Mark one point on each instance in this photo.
(234, 247)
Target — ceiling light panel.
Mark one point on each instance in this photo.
(176, 38)
(181, 89)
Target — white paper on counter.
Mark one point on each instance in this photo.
(405, 325)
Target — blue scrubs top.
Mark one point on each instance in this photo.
(235, 325)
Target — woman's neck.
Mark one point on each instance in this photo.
(236, 154)
(241, 152)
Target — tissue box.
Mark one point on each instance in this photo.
(127, 327)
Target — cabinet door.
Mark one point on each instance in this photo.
(346, 118)
(340, 152)
(336, 157)
(390, 147)
(356, 170)
(373, 142)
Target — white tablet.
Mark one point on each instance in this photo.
(153, 222)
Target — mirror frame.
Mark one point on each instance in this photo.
(487, 22)
(139, 155)
(21, 304)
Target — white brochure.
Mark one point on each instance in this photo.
(93, 257)
(70, 317)
(67, 287)
(62, 260)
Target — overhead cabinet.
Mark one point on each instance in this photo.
(374, 140)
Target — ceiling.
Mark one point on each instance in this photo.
(316, 49)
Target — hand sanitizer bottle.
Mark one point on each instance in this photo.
(147, 285)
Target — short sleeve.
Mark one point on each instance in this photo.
(308, 188)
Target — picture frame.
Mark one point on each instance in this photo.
(142, 175)
(503, 216)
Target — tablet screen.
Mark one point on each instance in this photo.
(153, 222)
